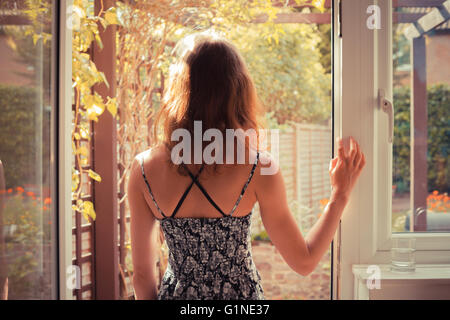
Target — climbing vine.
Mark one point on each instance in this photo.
(89, 105)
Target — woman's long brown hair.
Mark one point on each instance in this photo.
(209, 83)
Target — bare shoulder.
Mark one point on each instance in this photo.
(267, 173)
(152, 156)
(268, 166)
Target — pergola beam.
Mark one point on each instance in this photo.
(297, 17)
(416, 3)
(325, 18)
(406, 17)
(294, 4)
(395, 3)
(105, 164)
(429, 21)
(14, 20)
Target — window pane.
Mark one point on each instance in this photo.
(421, 93)
(27, 221)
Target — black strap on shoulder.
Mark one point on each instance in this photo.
(195, 180)
(183, 197)
(150, 189)
(245, 185)
(203, 190)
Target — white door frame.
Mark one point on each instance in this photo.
(64, 210)
(363, 65)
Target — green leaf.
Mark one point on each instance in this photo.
(88, 210)
(94, 175)
(99, 41)
(36, 37)
(111, 16)
(83, 151)
(92, 115)
(112, 106)
(103, 77)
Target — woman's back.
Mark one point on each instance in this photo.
(224, 187)
(209, 242)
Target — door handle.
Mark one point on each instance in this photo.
(386, 106)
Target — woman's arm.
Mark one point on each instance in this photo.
(144, 231)
(301, 254)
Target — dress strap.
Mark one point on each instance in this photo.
(194, 180)
(183, 197)
(141, 160)
(244, 188)
(205, 193)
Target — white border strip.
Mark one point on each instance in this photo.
(65, 151)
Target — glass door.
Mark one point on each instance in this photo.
(392, 95)
(28, 242)
(421, 98)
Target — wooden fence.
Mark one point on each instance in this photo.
(304, 155)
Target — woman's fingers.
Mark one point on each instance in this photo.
(362, 163)
(358, 156)
(341, 152)
(353, 150)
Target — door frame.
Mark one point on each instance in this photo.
(64, 148)
(363, 60)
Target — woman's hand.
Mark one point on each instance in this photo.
(303, 254)
(346, 168)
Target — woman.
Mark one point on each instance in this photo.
(208, 240)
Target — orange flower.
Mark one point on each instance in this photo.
(10, 190)
(30, 194)
(20, 189)
(435, 192)
(324, 202)
(44, 208)
(47, 201)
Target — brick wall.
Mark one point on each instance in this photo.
(304, 156)
(280, 282)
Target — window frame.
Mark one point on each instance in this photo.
(365, 234)
(63, 87)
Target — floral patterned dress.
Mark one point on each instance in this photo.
(209, 258)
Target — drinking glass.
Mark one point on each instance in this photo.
(403, 255)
